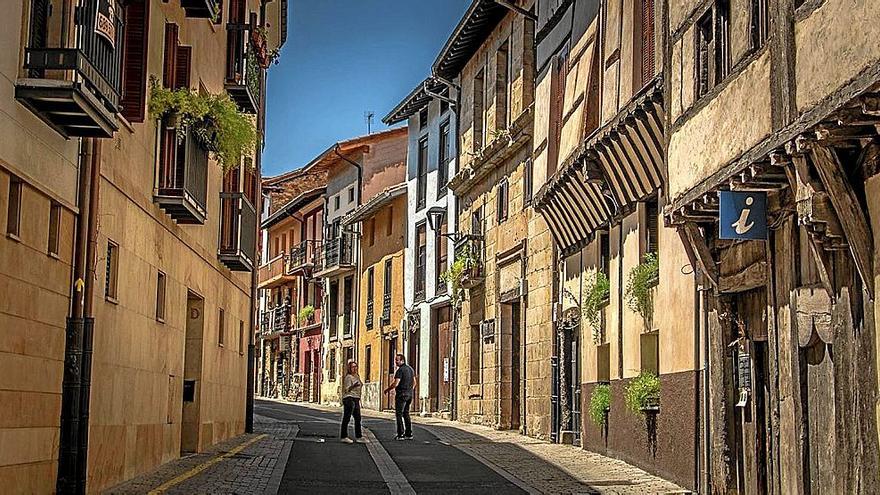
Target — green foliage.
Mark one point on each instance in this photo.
(600, 403)
(638, 293)
(642, 392)
(455, 275)
(306, 313)
(220, 127)
(597, 294)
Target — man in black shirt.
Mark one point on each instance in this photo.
(404, 385)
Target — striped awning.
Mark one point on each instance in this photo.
(622, 160)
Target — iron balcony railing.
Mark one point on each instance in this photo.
(306, 254)
(243, 71)
(281, 318)
(265, 322)
(183, 176)
(368, 317)
(238, 224)
(386, 308)
(338, 252)
(202, 9)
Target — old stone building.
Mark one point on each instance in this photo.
(625, 307)
(381, 222)
(503, 249)
(772, 118)
(147, 243)
(361, 168)
(430, 111)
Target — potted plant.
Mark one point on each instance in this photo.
(639, 293)
(214, 119)
(600, 404)
(643, 393)
(306, 314)
(597, 294)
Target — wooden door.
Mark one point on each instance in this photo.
(443, 372)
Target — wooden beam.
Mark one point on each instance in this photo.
(699, 251)
(750, 277)
(849, 212)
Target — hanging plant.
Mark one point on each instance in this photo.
(454, 276)
(639, 284)
(600, 403)
(597, 294)
(643, 393)
(214, 119)
(306, 314)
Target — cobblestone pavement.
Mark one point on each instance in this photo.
(247, 464)
(541, 467)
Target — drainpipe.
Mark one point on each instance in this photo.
(76, 385)
(357, 266)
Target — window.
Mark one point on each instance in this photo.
(334, 309)
(652, 230)
(348, 353)
(527, 182)
(392, 352)
(371, 293)
(347, 303)
(422, 180)
(423, 118)
(54, 229)
(240, 338)
(386, 294)
(445, 157)
(502, 199)
(760, 22)
(647, 41)
(110, 287)
(331, 368)
(336, 202)
(502, 86)
(712, 62)
(704, 50)
(477, 221)
(604, 254)
(351, 195)
(722, 50)
(421, 261)
(441, 247)
(221, 328)
(557, 100)
(160, 296)
(13, 209)
(476, 355)
(368, 363)
(389, 226)
(134, 60)
(479, 95)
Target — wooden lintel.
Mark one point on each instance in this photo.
(699, 251)
(750, 277)
(849, 212)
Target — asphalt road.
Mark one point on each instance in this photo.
(319, 463)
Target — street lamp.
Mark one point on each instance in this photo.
(436, 215)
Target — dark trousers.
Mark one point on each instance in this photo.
(401, 411)
(351, 406)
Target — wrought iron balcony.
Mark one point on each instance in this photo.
(238, 227)
(243, 71)
(201, 9)
(470, 247)
(303, 257)
(386, 309)
(337, 254)
(281, 318)
(74, 89)
(182, 187)
(368, 317)
(265, 318)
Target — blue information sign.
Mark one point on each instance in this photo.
(743, 215)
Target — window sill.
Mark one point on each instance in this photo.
(54, 256)
(112, 300)
(160, 319)
(14, 237)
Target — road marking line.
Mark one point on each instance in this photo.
(198, 469)
(393, 476)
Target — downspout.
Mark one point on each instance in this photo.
(355, 286)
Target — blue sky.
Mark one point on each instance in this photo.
(343, 58)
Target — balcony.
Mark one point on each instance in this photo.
(279, 318)
(201, 9)
(368, 317)
(243, 71)
(311, 321)
(470, 247)
(238, 227)
(337, 255)
(73, 89)
(183, 177)
(272, 274)
(304, 258)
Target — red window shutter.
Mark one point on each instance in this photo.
(647, 40)
(170, 63)
(184, 62)
(134, 61)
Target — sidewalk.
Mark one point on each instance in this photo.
(537, 466)
(247, 464)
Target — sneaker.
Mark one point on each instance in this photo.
(407, 437)
(346, 440)
(362, 440)
(400, 437)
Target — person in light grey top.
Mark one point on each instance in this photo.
(351, 403)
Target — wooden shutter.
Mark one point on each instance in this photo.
(182, 69)
(647, 40)
(652, 213)
(134, 61)
(170, 62)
